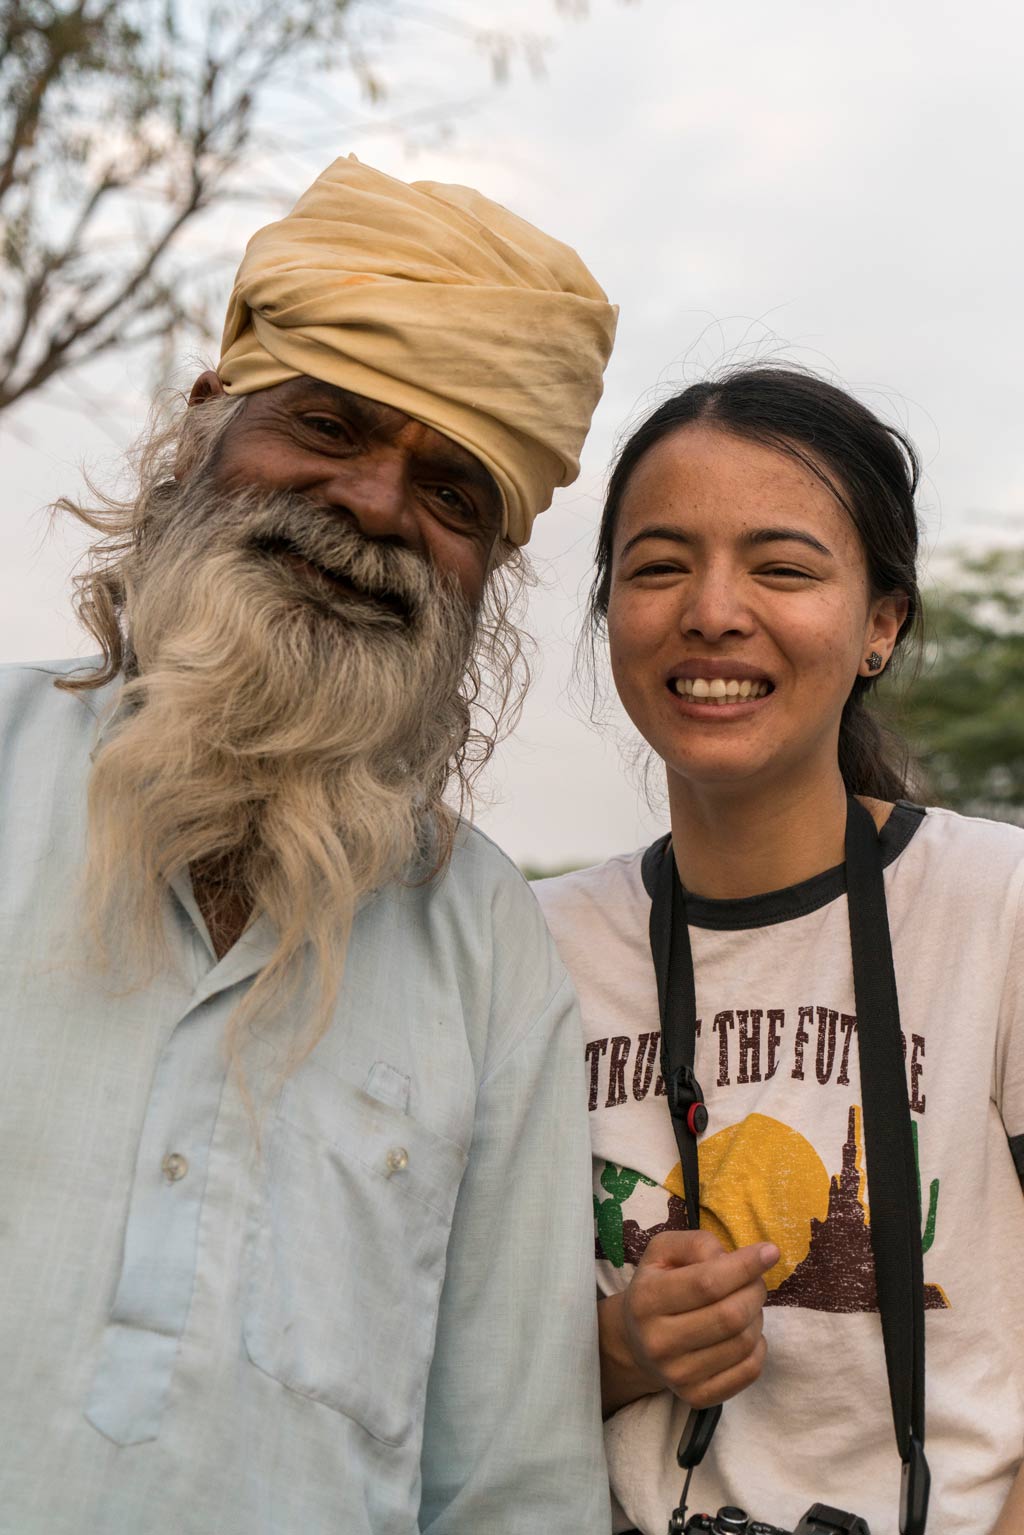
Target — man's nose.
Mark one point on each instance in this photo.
(374, 491)
(715, 608)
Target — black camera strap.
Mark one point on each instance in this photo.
(894, 1192)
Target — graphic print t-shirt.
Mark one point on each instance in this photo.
(783, 1160)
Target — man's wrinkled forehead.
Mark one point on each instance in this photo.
(374, 421)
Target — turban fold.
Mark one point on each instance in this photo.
(436, 301)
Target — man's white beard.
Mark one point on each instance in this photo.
(279, 734)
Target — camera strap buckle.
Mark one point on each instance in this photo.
(696, 1435)
(686, 1100)
(915, 1483)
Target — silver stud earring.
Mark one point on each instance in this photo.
(874, 662)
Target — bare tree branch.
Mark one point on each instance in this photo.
(124, 122)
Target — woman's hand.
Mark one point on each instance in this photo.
(689, 1321)
(1011, 1520)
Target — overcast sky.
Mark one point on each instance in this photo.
(840, 184)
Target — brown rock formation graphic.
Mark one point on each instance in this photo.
(635, 1238)
(838, 1273)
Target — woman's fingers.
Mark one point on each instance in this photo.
(685, 1367)
(672, 1333)
(720, 1386)
(694, 1268)
(692, 1314)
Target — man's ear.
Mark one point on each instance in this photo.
(206, 387)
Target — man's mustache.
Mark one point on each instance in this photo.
(391, 583)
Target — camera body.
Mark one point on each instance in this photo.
(818, 1520)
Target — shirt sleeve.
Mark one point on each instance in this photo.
(1009, 1074)
(513, 1436)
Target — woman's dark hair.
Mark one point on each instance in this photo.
(871, 468)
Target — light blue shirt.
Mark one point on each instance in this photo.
(382, 1318)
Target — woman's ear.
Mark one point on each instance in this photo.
(886, 619)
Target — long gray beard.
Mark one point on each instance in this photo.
(285, 736)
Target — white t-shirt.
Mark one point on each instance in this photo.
(783, 1160)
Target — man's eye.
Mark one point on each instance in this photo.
(453, 503)
(328, 426)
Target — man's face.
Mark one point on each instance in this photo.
(387, 475)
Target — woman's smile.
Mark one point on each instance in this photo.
(739, 610)
(729, 688)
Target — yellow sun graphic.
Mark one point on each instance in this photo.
(760, 1181)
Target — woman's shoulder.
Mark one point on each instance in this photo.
(607, 895)
(976, 852)
(970, 834)
(599, 918)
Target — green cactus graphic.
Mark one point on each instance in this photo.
(619, 1183)
(928, 1236)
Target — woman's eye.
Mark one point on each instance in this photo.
(659, 568)
(788, 571)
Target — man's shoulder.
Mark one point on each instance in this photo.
(479, 849)
(485, 873)
(29, 690)
(47, 735)
(488, 913)
(490, 892)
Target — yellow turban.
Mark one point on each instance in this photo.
(439, 302)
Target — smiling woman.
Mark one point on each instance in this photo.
(761, 447)
(733, 563)
(755, 575)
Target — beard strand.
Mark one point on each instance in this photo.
(293, 710)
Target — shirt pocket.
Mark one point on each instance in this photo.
(347, 1252)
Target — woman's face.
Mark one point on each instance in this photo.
(740, 612)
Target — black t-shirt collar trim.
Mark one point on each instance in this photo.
(796, 900)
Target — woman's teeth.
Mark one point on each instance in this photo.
(717, 690)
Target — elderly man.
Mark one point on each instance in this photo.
(296, 1210)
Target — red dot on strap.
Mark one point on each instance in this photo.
(696, 1119)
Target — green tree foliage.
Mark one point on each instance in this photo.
(963, 712)
(123, 121)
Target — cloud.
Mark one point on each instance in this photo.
(841, 180)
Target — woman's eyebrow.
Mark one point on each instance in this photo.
(758, 536)
(673, 535)
(752, 539)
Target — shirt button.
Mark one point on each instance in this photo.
(397, 1160)
(174, 1166)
